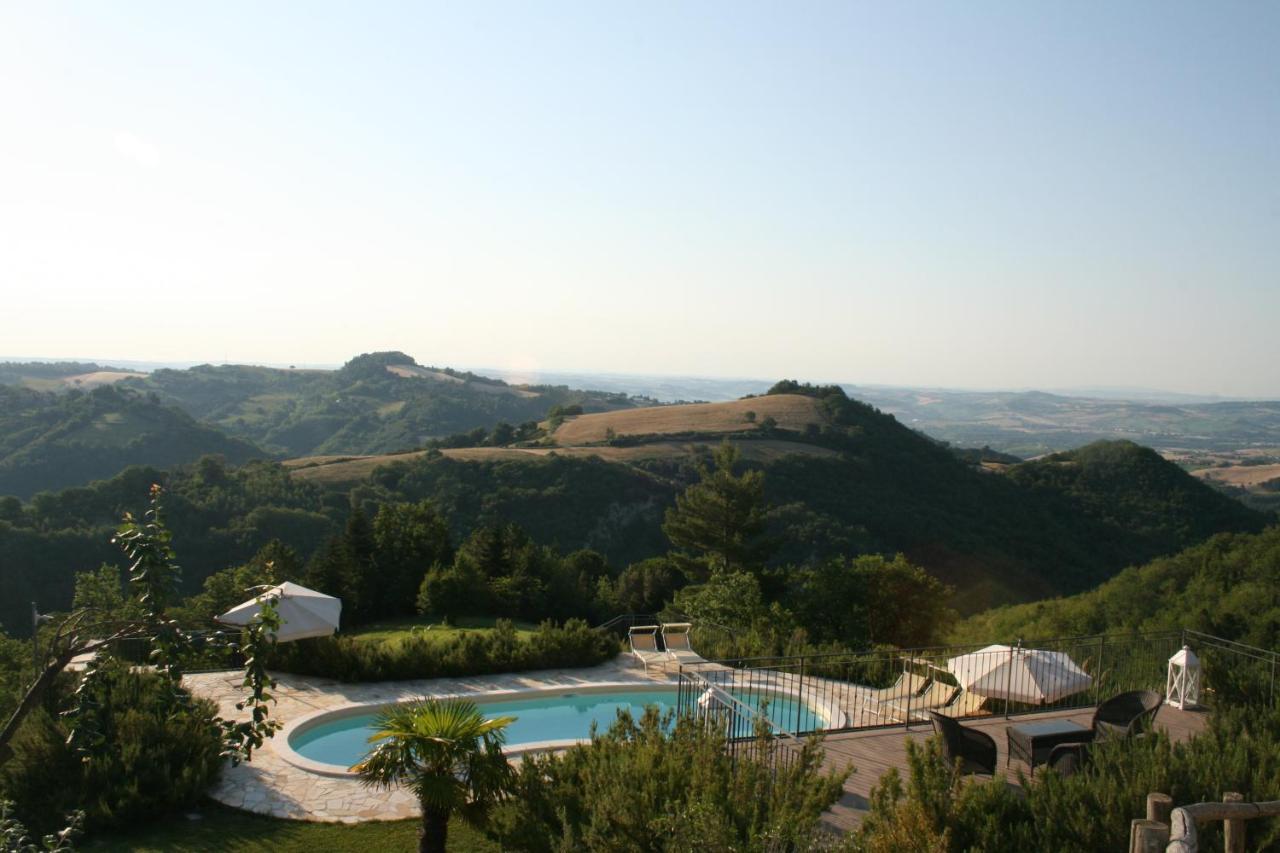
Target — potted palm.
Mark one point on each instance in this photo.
(448, 754)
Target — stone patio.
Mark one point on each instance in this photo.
(270, 785)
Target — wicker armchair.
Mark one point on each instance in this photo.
(973, 750)
(1068, 758)
(1126, 714)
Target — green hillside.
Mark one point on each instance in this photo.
(1042, 528)
(51, 441)
(376, 403)
(1051, 527)
(1228, 586)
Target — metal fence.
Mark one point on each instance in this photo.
(797, 696)
(1234, 673)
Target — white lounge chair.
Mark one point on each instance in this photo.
(938, 696)
(644, 645)
(967, 704)
(908, 684)
(879, 703)
(675, 636)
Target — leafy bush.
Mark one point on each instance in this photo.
(162, 757)
(638, 788)
(14, 837)
(420, 656)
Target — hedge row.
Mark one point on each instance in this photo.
(551, 646)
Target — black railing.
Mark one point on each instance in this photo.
(620, 625)
(1234, 673)
(823, 693)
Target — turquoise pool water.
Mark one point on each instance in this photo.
(567, 716)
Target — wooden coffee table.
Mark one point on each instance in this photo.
(1032, 742)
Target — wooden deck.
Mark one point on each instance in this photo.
(873, 753)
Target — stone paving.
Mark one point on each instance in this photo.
(270, 785)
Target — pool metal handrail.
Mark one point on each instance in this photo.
(736, 703)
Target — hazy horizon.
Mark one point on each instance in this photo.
(557, 375)
(992, 196)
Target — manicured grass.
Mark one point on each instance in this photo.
(232, 831)
(393, 630)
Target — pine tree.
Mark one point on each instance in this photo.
(719, 522)
(360, 572)
(326, 569)
(410, 539)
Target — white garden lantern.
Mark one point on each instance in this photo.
(1182, 690)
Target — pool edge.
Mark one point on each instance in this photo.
(284, 749)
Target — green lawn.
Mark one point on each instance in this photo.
(397, 629)
(225, 829)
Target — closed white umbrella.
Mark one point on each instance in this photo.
(1033, 676)
(303, 612)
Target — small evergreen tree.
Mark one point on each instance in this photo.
(720, 521)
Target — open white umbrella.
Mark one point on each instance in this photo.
(1033, 676)
(303, 612)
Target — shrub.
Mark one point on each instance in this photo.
(14, 837)
(637, 787)
(940, 810)
(162, 757)
(421, 656)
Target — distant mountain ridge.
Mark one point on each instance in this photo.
(1022, 422)
(375, 403)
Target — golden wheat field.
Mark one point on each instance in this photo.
(791, 411)
(1240, 475)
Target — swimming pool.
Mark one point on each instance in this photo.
(548, 718)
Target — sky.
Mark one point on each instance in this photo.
(938, 194)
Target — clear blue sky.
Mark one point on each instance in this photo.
(969, 194)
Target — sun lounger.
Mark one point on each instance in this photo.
(966, 704)
(937, 696)
(675, 636)
(880, 703)
(644, 645)
(908, 684)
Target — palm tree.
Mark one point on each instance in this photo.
(448, 754)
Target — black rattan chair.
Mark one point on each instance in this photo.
(1068, 758)
(973, 750)
(1126, 714)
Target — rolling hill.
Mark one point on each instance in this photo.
(844, 478)
(350, 470)
(376, 403)
(1030, 423)
(52, 441)
(794, 412)
(62, 375)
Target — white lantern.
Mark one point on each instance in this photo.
(1182, 690)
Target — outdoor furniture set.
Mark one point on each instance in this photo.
(1061, 744)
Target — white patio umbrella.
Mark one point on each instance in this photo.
(303, 612)
(1033, 676)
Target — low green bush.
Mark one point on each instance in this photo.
(160, 756)
(651, 785)
(551, 646)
